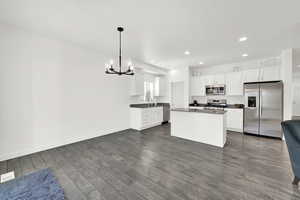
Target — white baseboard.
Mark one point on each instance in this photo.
(235, 130)
(147, 126)
(36, 149)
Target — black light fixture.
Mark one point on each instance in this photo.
(109, 69)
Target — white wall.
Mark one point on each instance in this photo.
(287, 77)
(296, 83)
(54, 93)
(296, 99)
(296, 94)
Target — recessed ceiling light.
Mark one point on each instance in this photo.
(201, 63)
(187, 53)
(172, 71)
(245, 55)
(243, 39)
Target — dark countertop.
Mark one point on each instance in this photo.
(198, 105)
(219, 112)
(148, 105)
(233, 106)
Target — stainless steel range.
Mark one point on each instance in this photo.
(216, 104)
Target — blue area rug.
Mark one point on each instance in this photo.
(40, 185)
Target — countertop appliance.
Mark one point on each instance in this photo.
(215, 90)
(263, 108)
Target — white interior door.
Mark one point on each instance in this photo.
(177, 94)
(296, 101)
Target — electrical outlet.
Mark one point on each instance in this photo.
(7, 177)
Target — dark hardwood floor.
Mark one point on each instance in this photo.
(152, 165)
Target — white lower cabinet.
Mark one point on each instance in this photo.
(142, 118)
(235, 119)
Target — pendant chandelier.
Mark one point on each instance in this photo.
(109, 68)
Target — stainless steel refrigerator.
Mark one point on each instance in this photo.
(263, 108)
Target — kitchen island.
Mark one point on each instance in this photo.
(205, 126)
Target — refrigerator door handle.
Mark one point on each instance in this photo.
(260, 103)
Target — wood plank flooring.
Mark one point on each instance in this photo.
(152, 165)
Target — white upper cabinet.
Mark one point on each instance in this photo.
(160, 84)
(193, 86)
(252, 75)
(137, 84)
(201, 86)
(197, 86)
(207, 80)
(263, 74)
(234, 83)
(270, 74)
(219, 79)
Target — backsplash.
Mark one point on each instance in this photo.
(230, 99)
(140, 99)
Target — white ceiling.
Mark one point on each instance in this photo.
(161, 30)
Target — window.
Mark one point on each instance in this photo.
(148, 91)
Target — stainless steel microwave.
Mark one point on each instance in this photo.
(215, 90)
